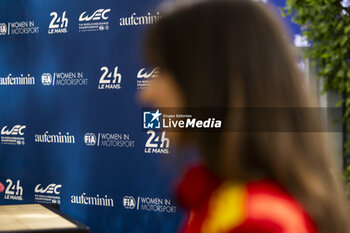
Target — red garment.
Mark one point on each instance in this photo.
(255, 207)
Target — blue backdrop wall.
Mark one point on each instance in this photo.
(70, 124)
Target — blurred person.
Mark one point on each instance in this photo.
(234, 53)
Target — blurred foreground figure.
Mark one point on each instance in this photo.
(234, 53)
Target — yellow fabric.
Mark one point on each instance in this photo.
(226, 208)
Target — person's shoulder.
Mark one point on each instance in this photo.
(270, 208)
(260, 207)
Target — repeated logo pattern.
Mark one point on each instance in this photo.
(72, 77)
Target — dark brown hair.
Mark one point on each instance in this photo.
(234, 53)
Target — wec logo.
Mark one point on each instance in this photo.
(16, 130)
(50, 189)
(144, 79)
(97, 15)
(50, 194)
(143, 74)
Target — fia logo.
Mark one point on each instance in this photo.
(13, 191)
(157, 144)
(46, 79)
(97, 15)
(110, 80)
(143, 74)
(58, 24)
(3, 29)
(129, 202)
(50, 189)
(90, 139)
(16, 130)
(151, 120)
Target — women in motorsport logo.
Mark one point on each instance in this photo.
(22, 27)
(64, 79)
(152, 204)
(109, 140)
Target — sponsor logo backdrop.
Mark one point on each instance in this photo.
(71, 129)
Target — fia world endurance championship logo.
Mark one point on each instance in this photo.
(152, 119)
